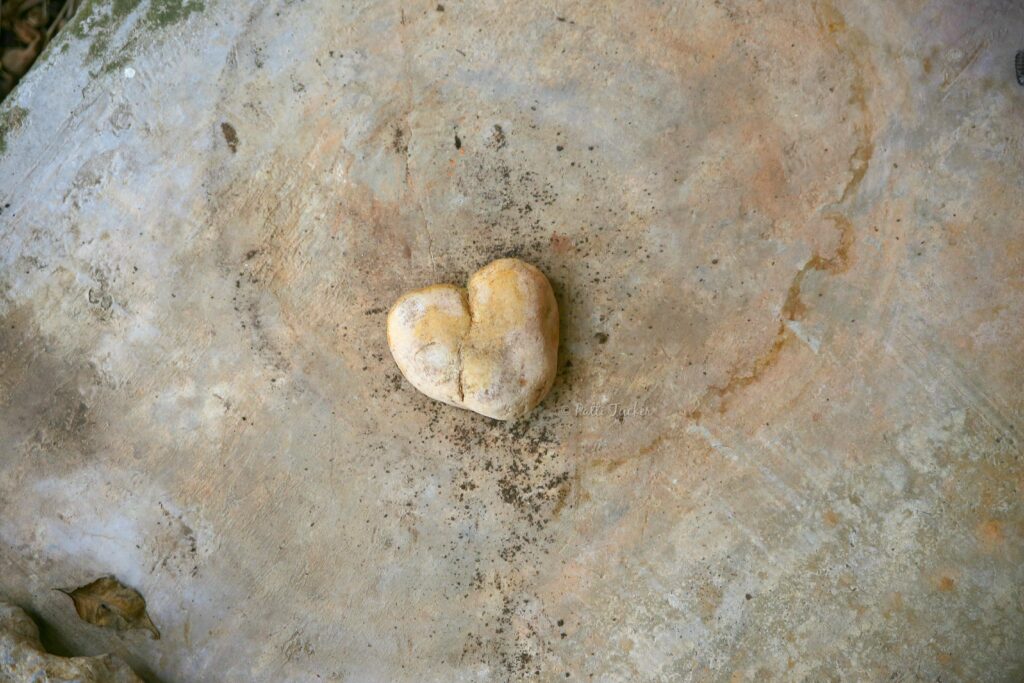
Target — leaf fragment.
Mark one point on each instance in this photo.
(109, 603)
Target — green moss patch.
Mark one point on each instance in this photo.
(98, 20)
(170, 12)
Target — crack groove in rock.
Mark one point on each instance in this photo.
(462, 342)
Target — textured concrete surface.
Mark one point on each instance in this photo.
(785, 438)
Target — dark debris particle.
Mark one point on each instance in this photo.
(230, 136)
(440, 8)
(398, 141)
(601, 337)
(458, 141)
(749, 596)
(498, 139)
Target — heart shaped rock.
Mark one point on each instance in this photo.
(492, 349)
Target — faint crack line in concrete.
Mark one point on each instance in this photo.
(948, 88)
(409, 186)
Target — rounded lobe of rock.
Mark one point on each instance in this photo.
(425, 332)
(493, 350)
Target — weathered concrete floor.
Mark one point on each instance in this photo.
(791, 237)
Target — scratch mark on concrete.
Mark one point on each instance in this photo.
(947, 87)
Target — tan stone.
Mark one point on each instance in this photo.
(492, 350)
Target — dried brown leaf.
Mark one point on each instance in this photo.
(109, 603)
(27, 33)
(18, 60)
